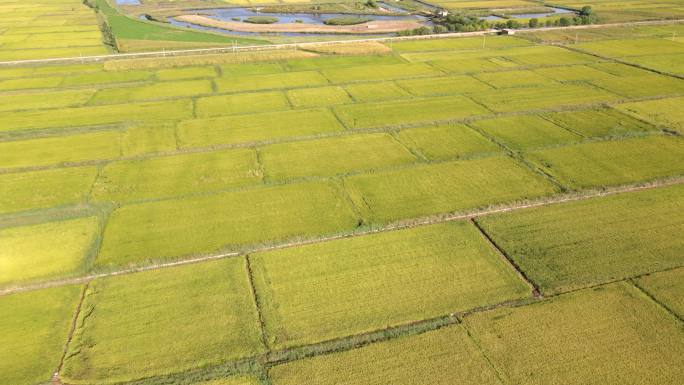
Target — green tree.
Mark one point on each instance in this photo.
(564, 22)
(533, 23)
(440, 29)
(586, 11)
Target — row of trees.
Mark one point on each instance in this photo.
(585, 16)
(468, 23)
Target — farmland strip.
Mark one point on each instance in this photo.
(418, 222)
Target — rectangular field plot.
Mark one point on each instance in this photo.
(318, 97)
(320, 292)
(573, 73)
(236, 104)
(95, 115)
(599, 122)
(223, 221)
(673, 64)
(468, 43)
(380, 72)
(60, 150)
(40, 100)
(186, 73)
(446, 142)
(632, 47)
(45, 250)
(316, 63)
(328, 157)
(177, 175)
(618, 69)
(458, 65)
(566, 246)
(521, 99)
(440, 357)
(508, 79)
(526, 131)
(608, 335)
(443, 86)
(33, 330)
(164, 90)
(42, 53)
(106, 77)
(45, 189)
(257, 127)
(663, 112)
(407, 112)
(666, 287)
(642, 86)
(376, 92)
(486, 59)
(443, 188)
(270, 81)
(29, 83)
(613, 162)
(240, 70)
(549, 55)
(129, 325)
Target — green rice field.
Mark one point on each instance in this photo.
(417, 274)
(617, 234)
(452, 210)
(615, 325)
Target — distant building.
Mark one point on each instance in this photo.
(507, 31)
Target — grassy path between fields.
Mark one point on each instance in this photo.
(415, 222)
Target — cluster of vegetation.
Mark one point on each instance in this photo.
(470, 23)
(451, 23)
(261, 20)
(349, 20)
(584, 17)
(463, 23)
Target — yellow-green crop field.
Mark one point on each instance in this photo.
(48, 28)
(451, 211)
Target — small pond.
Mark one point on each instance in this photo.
(229, 14)
(127, 2)
(238, 14)
(552, 11)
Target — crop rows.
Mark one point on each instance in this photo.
(312, 294)
(48, 28)
(103, 169)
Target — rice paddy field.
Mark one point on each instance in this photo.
(506, 210)
(48, 28)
